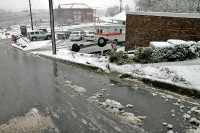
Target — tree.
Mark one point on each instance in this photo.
(112, 11)
(127, 8)
(168, 5)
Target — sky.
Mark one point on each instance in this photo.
(43, 4)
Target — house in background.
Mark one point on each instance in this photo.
(74, 12)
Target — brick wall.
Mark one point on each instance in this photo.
(142, 29)
(86, 14)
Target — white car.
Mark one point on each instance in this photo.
(89, 36)
(77, 35)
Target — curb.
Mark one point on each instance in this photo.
(74, 63)
(173, 88)
(191, 92)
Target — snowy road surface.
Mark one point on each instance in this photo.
(65, 98)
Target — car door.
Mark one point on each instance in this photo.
(42, 35)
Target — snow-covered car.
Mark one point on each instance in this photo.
(38, 34)
(89, 36)
(77, 35)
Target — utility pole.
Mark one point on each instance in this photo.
(120, 9)
(198, 8)
(31, 14)
(52, 26)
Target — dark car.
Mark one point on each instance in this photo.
(63, 35)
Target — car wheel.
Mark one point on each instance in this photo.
(101, 42)
(34, 39)
(48, 37)
(115, 41)
(75, 47)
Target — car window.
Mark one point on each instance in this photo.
(36, 32)
(31, 33)
(75, 33)
(42, 32)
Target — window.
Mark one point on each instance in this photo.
(36, 32)
(120, 30)
(101, 31)
(77, 12)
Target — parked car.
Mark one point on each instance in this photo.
(89, 36)
(38, 34)
(77, 35)
(63, 35)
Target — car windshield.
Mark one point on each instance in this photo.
(75, 32)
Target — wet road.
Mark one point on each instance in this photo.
(29, 81)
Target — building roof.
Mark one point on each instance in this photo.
(167, 14)
(120, 17)
(74, 6)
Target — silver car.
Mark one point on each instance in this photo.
(77, 35)
(38, 34)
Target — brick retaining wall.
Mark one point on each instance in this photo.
(142, 29)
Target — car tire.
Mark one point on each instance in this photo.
(115, 41)
(75, 47)
(101, 42)
(48, 37)
(34, 39)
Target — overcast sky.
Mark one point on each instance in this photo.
(43, 4)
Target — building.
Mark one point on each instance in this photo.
(144, 27)
(74, 12)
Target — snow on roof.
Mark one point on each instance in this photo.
(105, 19)
(167, 14)
(161, 45)
(121, 16)
(74, 6)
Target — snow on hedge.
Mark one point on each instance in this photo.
(161, 45)
(179, 42)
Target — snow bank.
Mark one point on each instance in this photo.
(161, 45)
(85, 59)
(26, 45)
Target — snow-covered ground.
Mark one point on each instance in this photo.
(185, 73)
